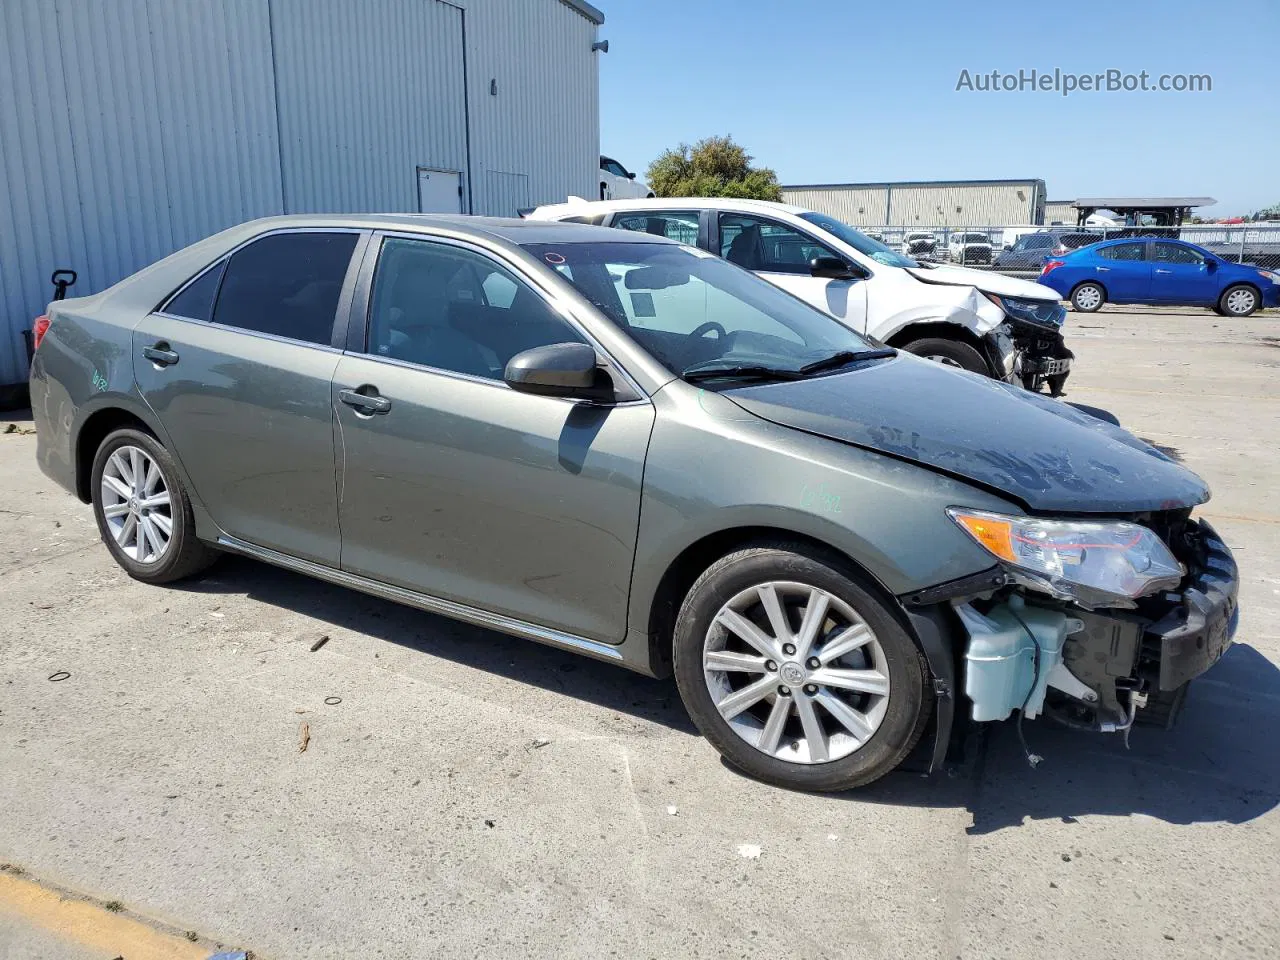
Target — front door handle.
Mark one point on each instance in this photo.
(160, 354)
(1102, 269)
(1164, 271)
(365, 399)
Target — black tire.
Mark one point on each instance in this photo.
(1082, 292)
(185, 555)
(1237, 291)
(954, 353)
(910, 703)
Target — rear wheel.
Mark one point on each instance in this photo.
(1238, 301)
(796, 672)
(143, 512)
(1088, 297)
(949, 353)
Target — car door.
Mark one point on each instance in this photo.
(455, 485)
(237, 366)
(1124, 270)
(780, 253)
(1181, 274)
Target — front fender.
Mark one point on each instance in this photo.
(962, 307)
(714, 469)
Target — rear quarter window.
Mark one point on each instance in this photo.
(195, 300)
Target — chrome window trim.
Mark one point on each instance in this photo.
(209, 324)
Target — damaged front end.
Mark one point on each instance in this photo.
(1041, 356)
(1037, 645)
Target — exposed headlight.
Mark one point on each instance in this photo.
(1273, 277)
(1043, 313)
(1092, 563)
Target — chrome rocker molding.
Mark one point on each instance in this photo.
(448, 608)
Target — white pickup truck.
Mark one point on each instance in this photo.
(1005, 328)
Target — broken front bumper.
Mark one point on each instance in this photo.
(1014, 650)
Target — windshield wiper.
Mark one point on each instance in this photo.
(847, 356)
(740, 373)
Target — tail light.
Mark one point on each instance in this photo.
(38, 330)
(1050, 265)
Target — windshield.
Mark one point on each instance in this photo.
(874, 249)
(696, 313)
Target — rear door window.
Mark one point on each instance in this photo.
(679, 225)
(286, 284)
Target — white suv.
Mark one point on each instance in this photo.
(985, 322)
(617, 182)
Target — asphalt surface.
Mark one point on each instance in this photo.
(476, 795)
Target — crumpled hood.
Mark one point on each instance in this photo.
(1042, 452)
(985, 280)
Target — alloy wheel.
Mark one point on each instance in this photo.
(135, 503)
(795, 672)
(1240, 302)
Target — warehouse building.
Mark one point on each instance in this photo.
(132, 128)
(925, 203)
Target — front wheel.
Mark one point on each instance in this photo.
(1088, 297)
(143, 512)
(797, 673)
(949, 353)
(1238, 301)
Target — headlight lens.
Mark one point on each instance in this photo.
(1043, 313)
(1273, 277)
(1092, 563)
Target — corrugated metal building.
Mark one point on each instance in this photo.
(925, 203)
(132, 128)
(1060, 211)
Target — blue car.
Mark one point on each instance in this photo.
(1149, 270)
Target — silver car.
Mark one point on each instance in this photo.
(626, 447)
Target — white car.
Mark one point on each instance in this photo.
(969, 247)
(985, 322)
(617, 182)
(920, 246)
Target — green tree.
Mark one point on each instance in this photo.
(712, 167)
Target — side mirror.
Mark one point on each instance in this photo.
(631, 175)
(559, 370)
(1008, 246)
(1210, 265)
(833, 268)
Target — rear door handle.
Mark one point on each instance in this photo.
(1164, 271)
(1102, 269)
(160, 354)
(365, 399)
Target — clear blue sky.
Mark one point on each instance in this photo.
(828, 91)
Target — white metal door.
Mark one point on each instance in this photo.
(439, 191)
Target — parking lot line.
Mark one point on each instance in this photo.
(88, 925)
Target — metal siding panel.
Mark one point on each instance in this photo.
(140, 127)
(856, 206)
(368, 93)
(545, 119)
